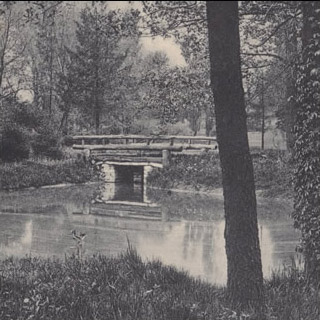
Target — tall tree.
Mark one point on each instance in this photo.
(307, 144)
(13, 42)
(178, 93)
(43, 52)
(93, 61)
(245, 280)
(98, 58)
(269, 30)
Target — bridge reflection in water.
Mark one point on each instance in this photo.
(39, 222)
(127, 198)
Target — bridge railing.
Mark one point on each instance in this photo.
(133, 139)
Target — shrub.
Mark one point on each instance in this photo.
(47, 141)
(39, 173)
(195, 171)
(25, 115)
(272, 169)
(14, 144)
(67, 141)
(47, 145)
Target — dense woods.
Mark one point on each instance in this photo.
(50, 55)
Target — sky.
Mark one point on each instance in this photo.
(153, 44)
(167, 45)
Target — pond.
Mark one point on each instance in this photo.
(179, 228)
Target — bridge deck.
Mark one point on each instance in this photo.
(104, 139)
(138, 148)
(132, 146)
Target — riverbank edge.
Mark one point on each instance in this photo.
(53, 186)
(218, 192)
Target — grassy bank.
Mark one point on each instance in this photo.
(273, 173)
(125, 287)
(39, 173)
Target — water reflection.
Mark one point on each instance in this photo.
(11, 246)
(200, 249)
(39, 222)
(132, 192)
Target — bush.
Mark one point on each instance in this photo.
(26, 127)
(24, 115)
(272, 169)
(14, 144)
(67, 141)
(47, 145)
(40, 173)
(273, 172)
(195, 171)
(47, 141)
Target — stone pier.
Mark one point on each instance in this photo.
(124, 172)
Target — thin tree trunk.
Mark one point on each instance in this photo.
(291, 111)
(96, 104)
(51, 58)
(64, 122)
(209, 119)
(291, 91)
(97, 121)
(4, 47)
(245, 280)
(51, 76)
(263, 114)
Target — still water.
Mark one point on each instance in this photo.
(180, 229)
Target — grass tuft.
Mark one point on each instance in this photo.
(126, 287)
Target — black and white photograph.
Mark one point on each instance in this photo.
(159, 160)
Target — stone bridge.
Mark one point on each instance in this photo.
(122, 157)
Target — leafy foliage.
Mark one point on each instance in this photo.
(47, 144)
(14, 144)
(28, 173)
(15, 121)
(194, 171)
(97, 59)
(27, 131)
(273, 173)
(178, 93)
(307, 144)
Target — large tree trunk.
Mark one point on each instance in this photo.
(245, 280)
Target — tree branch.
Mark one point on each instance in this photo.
(271, 55)
(276, 29)
(16, 57)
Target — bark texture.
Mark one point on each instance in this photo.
(245, 279)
